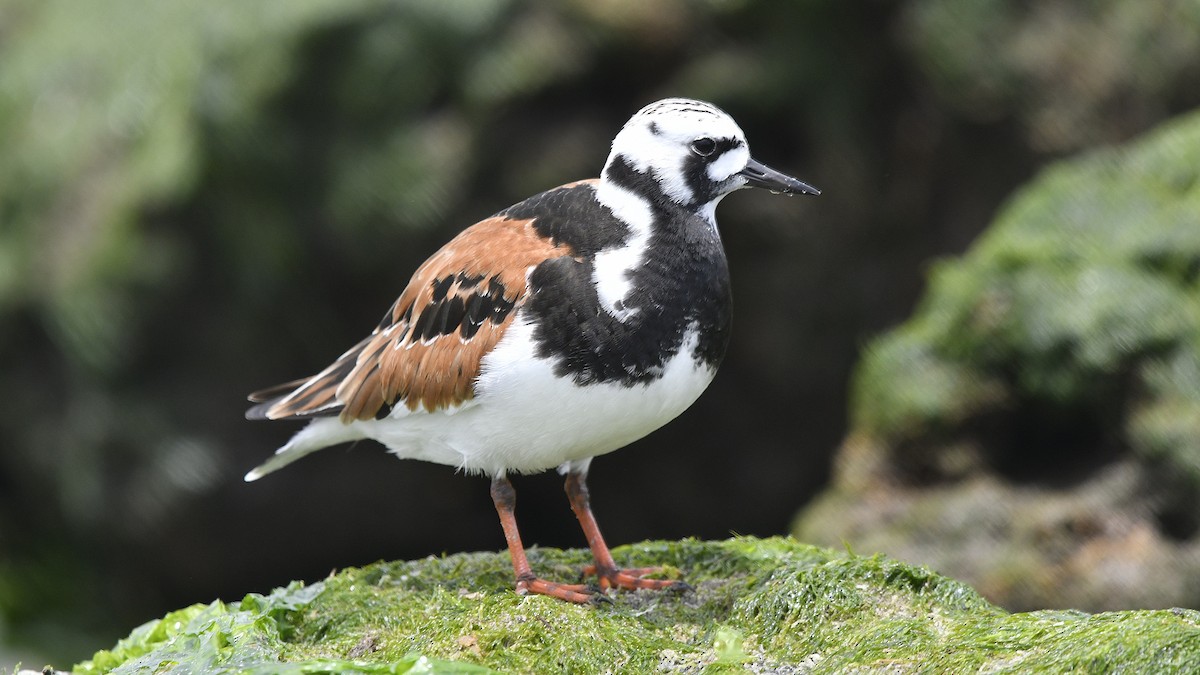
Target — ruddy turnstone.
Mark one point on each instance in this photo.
(562, 328)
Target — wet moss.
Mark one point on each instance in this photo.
(757, 605)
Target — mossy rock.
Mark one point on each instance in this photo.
(1049, 385)
(770, 605)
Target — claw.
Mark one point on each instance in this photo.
(600, 599)
(631, 579)
(681, 588)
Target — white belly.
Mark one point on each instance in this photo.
(526, 419)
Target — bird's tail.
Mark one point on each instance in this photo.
(320, 433)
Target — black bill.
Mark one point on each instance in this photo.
(760, 175)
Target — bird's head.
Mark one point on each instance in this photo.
(691, 153)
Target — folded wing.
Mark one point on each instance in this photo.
(426, 352)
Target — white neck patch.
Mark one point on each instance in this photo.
(614, 266)
(658, 141)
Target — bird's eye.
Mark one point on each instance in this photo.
(704, 146)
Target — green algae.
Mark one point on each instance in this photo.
(756, 605)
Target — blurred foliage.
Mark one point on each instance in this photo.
(180, 178)
(1073, 73)
(1082, 297)
(200, 198)
(758, 606)
(1034, 428)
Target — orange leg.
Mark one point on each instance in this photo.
(605, 569)
(505, 499)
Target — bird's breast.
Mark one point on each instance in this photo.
(640, 277)
(531, 416)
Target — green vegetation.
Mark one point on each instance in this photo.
(1066, 71)
(1034, 428)
(1082, 298)
(757, 605)
(202, 197)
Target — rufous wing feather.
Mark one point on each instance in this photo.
(427, 351)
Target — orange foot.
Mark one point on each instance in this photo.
(577, 593)
(632, 578)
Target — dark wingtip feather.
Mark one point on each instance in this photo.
(276, 392)
(259, 412)
(271, 396)
(262, 411)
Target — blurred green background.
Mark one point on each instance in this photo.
(201, 198)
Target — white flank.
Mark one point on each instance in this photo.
(528, 419)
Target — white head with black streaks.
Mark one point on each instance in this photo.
(677, 140)
(693, 154)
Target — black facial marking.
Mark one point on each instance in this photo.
(724, 144)
(695, 170)
(683, 106)
(654, 128)
(704, 146)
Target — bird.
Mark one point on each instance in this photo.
(560, 329)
